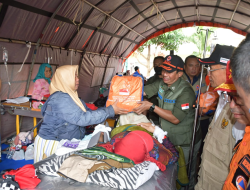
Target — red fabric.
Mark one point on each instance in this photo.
(107, 146)
(24, 148)
(24, 176)
(136, 146)
(46, 95)
(207, 80)
(91, 106)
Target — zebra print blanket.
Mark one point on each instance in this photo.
(126, 178)
(51, 166)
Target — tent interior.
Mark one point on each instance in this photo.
(97, 35)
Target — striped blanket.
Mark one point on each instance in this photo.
(126, 178)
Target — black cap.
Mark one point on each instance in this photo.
(172, 63)
(221, 55)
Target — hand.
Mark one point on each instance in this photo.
(145, 105)
(45, 98)
(118, 110)
(148, 126)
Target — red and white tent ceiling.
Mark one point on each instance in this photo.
(113, 27)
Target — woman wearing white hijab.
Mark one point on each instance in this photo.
(65, 115)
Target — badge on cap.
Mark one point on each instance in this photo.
(224, 60)
(169, 58)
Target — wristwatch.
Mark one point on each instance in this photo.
(152, 108)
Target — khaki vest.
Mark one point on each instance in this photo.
(181, 133)
(196, 85)
(217, 152)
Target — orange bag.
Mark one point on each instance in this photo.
(209, 101)
(128, 89)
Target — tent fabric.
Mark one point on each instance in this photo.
(97, 35)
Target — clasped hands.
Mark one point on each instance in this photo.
(144, 105)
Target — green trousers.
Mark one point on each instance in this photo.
(193, 176)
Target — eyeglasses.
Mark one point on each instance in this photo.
(209, 69)
(229, 98)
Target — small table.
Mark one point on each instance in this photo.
(26, 110)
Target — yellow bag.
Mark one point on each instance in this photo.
(182, 179)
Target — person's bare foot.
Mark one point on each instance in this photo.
(101, 138)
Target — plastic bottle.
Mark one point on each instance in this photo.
(29, 153)
(5, 60)
(11, 152)
(5, 55)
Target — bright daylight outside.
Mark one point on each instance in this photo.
(184, 42)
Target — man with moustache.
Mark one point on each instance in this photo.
(192, 74)
(157, 76)
(176, 99)
(219, 141)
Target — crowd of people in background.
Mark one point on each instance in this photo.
(222, 136)
(222, 140)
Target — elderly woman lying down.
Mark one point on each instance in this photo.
(127, 161)
(65, 115)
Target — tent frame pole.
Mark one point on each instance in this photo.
(155, 4)
(113, 18)
(103, 77)
(236, 7)
(38, 43)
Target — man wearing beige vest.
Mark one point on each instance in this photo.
(219, 141)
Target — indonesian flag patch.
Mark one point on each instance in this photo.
(185, 106)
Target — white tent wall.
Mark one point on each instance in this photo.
(88, 89)
(92, 73)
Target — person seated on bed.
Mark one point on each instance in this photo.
(41, 86)
(65, 115)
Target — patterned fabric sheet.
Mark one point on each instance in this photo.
(47, 168)
(51, 166)
(126, 178)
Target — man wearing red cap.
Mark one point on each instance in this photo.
(219, 141)
(176, 99)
